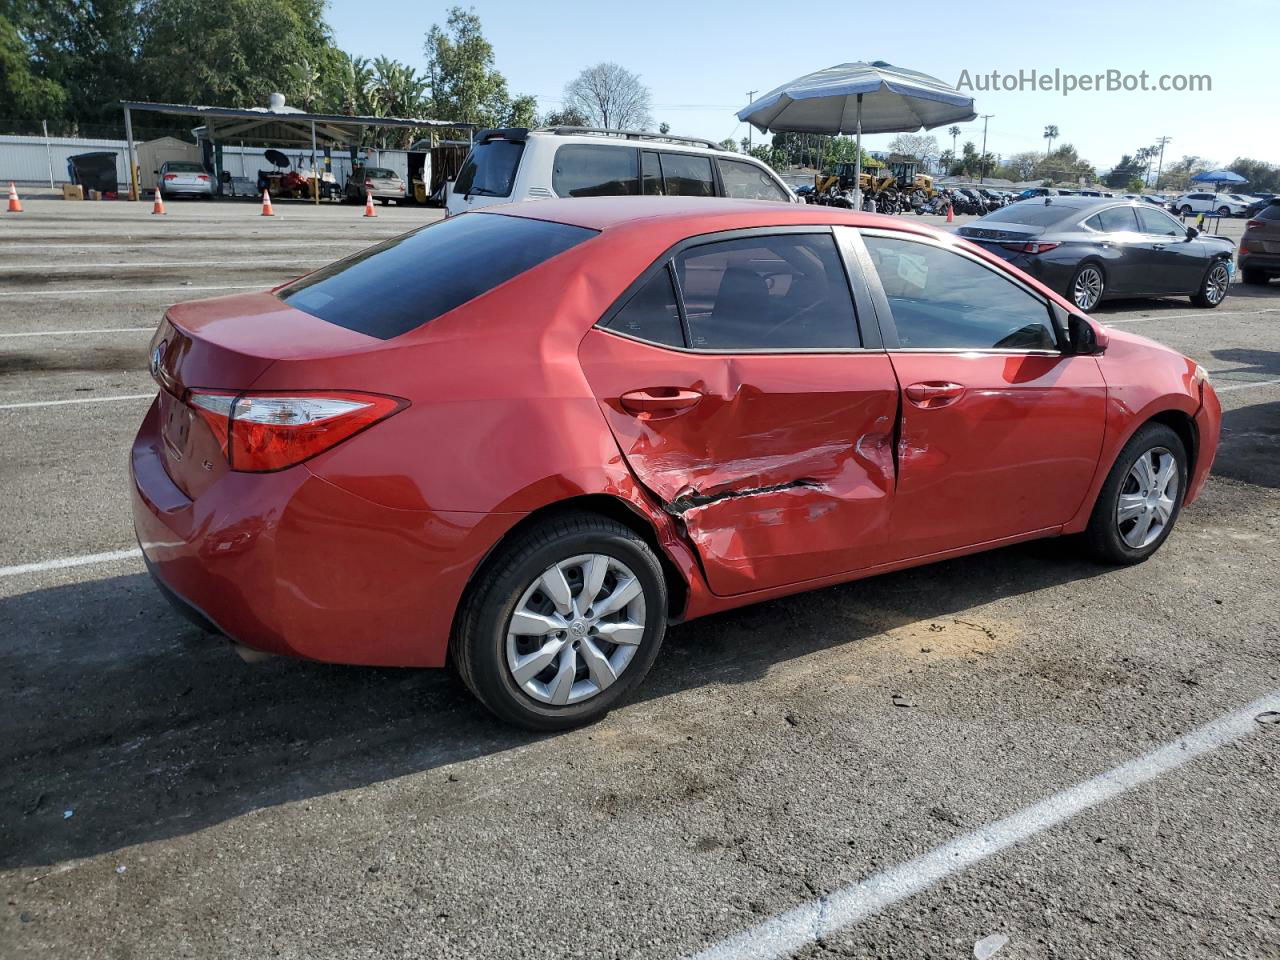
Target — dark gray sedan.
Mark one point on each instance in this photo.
(1091, 249)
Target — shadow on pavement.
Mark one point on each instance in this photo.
(120, 711)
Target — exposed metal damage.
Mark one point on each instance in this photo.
(691, 499)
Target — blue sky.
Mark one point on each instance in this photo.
(700, 59)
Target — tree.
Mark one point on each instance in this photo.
(610, 96)
(1063, 165)
(664, 128)
(924, 147)
(728, 144)
(303, 83)
(954, 132)
(27, 96)
(1019, 167)
(566, 117)
(346, 82)
(464, 84)
(1261, 175)
(1050, 134)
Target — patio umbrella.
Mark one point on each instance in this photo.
(855, 98)
(1218, 176)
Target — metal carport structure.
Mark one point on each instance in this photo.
(276, 124)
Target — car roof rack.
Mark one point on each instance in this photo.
(631, 135)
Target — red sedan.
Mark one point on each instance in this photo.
(529, 438)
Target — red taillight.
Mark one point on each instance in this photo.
(202, 178)
(261, 432)
(1031, 247)
(171, 176)
(1253, 223)
(369, 184)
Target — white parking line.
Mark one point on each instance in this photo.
(64, 562)
(788, 932)
(45, 268)
(68, 333)
(60, 403)
(97, 291)
(1204, 314)
(1245, 386)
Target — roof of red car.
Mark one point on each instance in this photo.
(701, 213)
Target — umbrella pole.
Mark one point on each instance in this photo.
(857, 167)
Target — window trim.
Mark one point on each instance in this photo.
(867, 329)
(884, 313)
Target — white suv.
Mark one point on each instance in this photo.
(1220, 203)
(514, 164)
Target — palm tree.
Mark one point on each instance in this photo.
(396, 90)
(304, 83)
(955, 132)
(1050, 134)
(352, 79)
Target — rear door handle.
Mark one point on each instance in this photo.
(660, 400)
(934, 393)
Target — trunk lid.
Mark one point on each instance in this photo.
(227, 344)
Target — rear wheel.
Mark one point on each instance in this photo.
(1141, 498)
(1224, 211)
(1214, 286)
(383, 201)
(1186, 210)
(1087, 286)
(564, 621)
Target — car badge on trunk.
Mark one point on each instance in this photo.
(157, 356)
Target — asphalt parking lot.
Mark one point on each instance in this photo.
(900, 767)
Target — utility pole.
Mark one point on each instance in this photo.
(751, 95)
(982, 160)
(1160, 166)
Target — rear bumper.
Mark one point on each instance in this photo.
(291, 564)
(1208, 425)
(1250, 260)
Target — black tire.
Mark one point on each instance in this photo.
(383, 201)
(1103, 537)
(1186, 210)
(1224, 211)
(1207, 298)
(478, 647)
(1075, 278)
(1255, 278)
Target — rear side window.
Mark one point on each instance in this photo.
(746, 181)
(406, 282)
(595, 170)
(687, 175)
(651, 314)
(1114, 220)
(490, 169)
(787, 291)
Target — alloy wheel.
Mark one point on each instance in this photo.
(1087, 290)
(1147, 497)
(1216, 284)
(575, 629)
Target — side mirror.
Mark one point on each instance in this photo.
(1086, 339)
(1192, 233)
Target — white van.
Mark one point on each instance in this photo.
(514, 164)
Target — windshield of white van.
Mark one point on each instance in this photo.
(490, 169)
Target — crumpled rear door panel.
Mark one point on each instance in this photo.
(783, 470)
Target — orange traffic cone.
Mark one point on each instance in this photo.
(951, 216)
(15, 205)
(368, 205)
(266, 205)
(158, 206)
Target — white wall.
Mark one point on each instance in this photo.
(26, 160)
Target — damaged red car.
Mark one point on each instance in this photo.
(525, 440)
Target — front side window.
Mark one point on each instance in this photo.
(595, 170)
(687, 175)
(399, 285)
(781, 292)
(942, 300)
(1159, 224)
(490, 169)
(746, 181)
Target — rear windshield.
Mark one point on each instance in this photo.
(399, 285)
(490, 169)
(381, 173)
(1034, 213)
(174, 167)
(1269, 212)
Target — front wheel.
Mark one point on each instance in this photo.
(1087, 286)
(563, 622)
(1141, 498)
(1186, 210)
(1214, 286)
(1224, 211)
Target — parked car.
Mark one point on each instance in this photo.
(384, 183)
(1037, 192)
(626, 412)
(1091, 249)
(1155, 198)
(183, 178)
(518, 164)
(1260, 245)
(1219, 203)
